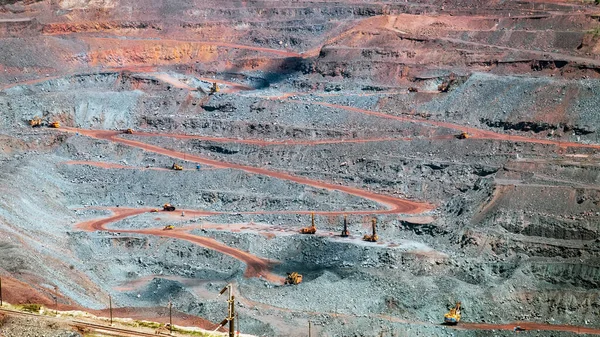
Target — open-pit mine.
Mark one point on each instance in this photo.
(332, 167)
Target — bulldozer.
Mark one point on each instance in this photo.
(453, 316)
(345, 232)
(214, 88)
(36, 121)
(177, 167)
(373, 237)
(168, 208)
(312, 229)
(293, 278)
(168, 228)
(55, 125)
(463, 135)
(128, 131)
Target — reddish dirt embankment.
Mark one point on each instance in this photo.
(15, 291)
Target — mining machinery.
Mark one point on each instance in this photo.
(373, 237)
(345, 232)
(463, 135)
(36, 121)
(312, 229)
(214, 88)
(293, 278)
(453, 316)
(168, 208)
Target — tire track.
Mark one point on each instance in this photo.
(255, 266)
(394, 205)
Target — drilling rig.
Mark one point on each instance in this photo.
(345, 232)
(312, 229)
(215, 88)
(374, 237)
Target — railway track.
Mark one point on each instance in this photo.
(82, 324)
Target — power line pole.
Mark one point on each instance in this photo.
(232, 316)
(110, 308)
(0, 291)
(230, 311)
(309, 329)
(170, 318)
(55, 300)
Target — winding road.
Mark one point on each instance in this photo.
(256, 266)
(259, 267)
(394, 205)
(474, 132)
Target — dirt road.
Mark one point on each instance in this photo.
(256, 266)
(528, 326)
(260, 142)
(474, 132)
(395, 205)
(117, 41)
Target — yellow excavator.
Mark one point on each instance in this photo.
(36, 121)
(168, 228)
(168, 208)
(453, 316)
(312, 229)
(463, 135)
(128, 131)
(373, 237)
(293, 278)
(177, 167)
(55, 125)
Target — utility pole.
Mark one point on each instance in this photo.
(55, 300)
(110, 308)
(170, 317)
(232, 316)
(0, 291)
(230, 310)
(309, 328)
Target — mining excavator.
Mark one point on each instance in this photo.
(312, 229)
(214, 88)
(453, 316)
(168, 208)
(36, 121)
(128, 131)
(293, 278)
(345, 232)
(55, 125)
(463, 135)
(168, 228)
(177, 167)
(374, 237)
